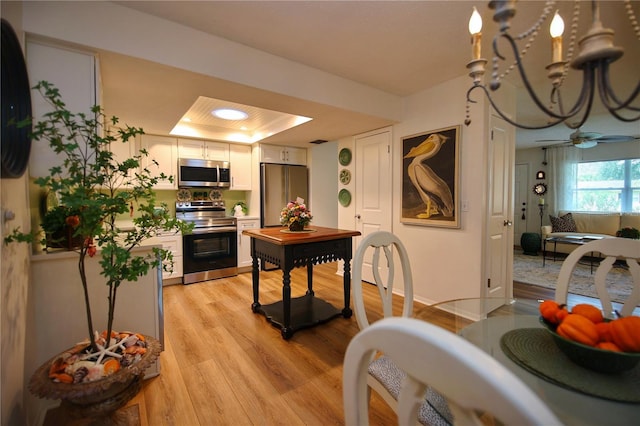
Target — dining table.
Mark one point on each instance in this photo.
(293, 249)
(510, 330)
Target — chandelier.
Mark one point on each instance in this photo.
(596, 52)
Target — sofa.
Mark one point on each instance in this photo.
(585, 225)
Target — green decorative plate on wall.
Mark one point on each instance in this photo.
(345, 156)
(344, 197)
(345, 176)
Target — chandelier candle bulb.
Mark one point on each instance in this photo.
(541, 201)
(475, 28)
(556, 29)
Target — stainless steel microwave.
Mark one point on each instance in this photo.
(194, 172)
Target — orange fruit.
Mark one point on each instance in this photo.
(579, 329)
(604, 331)
(548, 310)
(608, 346)
(561, 314)
(588, 311)
(625, 332)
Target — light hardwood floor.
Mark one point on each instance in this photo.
(223, 364)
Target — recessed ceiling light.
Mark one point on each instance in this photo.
(230, 114)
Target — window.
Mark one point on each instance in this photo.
(608, 186)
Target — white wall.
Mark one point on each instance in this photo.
(446, 263)
(14, 281)
(535, 156)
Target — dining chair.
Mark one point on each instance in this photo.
(474, 384)
(610, 249)
(385, 377)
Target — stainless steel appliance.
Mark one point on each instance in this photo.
(194, 172)
(279, 184)
(211, 250)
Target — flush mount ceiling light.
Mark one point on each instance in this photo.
(251, 125)
(595, 52)
(230, 114)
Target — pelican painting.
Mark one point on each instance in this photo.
(432, 189)
(431, 178)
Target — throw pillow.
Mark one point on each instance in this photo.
(563, 223)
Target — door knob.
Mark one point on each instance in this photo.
(507, 223)
(357, 216)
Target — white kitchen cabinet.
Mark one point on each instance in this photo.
(283, 154)
(172, 242)
(74, 74)
(244, 243)
(240, 163)
(164, 151)
(206, 150)
(124, 150)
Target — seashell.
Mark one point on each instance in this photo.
(135, 350)
(58, 366)
(63, 378)
(80, 374)
(72, 368)
(95, 372)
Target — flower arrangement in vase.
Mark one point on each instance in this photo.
(94, 189)
(295, 215)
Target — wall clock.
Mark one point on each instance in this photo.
(539, 188)
(16, 106)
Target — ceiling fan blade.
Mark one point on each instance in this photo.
(552, 140)
(617, 138)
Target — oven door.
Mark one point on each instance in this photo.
(210, 253)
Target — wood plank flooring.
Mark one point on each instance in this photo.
(223, 364)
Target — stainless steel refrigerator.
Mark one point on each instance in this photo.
(279, 184)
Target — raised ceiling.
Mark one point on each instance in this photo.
(398, 47)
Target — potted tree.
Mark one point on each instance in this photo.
(95, 190)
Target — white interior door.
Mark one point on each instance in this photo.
(500, 215)
(373, 187)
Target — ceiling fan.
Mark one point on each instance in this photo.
(581, 139)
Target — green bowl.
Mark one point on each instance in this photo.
(595, 359)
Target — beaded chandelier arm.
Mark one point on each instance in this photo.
(596, 53)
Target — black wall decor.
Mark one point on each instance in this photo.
(16, 106)
(540, 174)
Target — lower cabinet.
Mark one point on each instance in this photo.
(244, 243)
(173, 243)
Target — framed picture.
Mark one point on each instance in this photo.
(430, 178)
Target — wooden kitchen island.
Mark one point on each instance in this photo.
(290, 250)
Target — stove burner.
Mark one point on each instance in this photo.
(204, 214)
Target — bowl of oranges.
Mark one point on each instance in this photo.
(590, 340)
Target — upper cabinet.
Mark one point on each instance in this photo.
(192, 148)
(283, 154)
(124, 150)
(74, 74)
(162, 150)
(240, 165)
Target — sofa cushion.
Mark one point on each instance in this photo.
(597, 223)
(630, 220)
(563, 223)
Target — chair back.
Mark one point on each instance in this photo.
(381, 241)
(469, 378)
(610, 250)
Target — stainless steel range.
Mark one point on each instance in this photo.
(211, 250)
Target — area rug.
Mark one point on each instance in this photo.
(529, 270)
